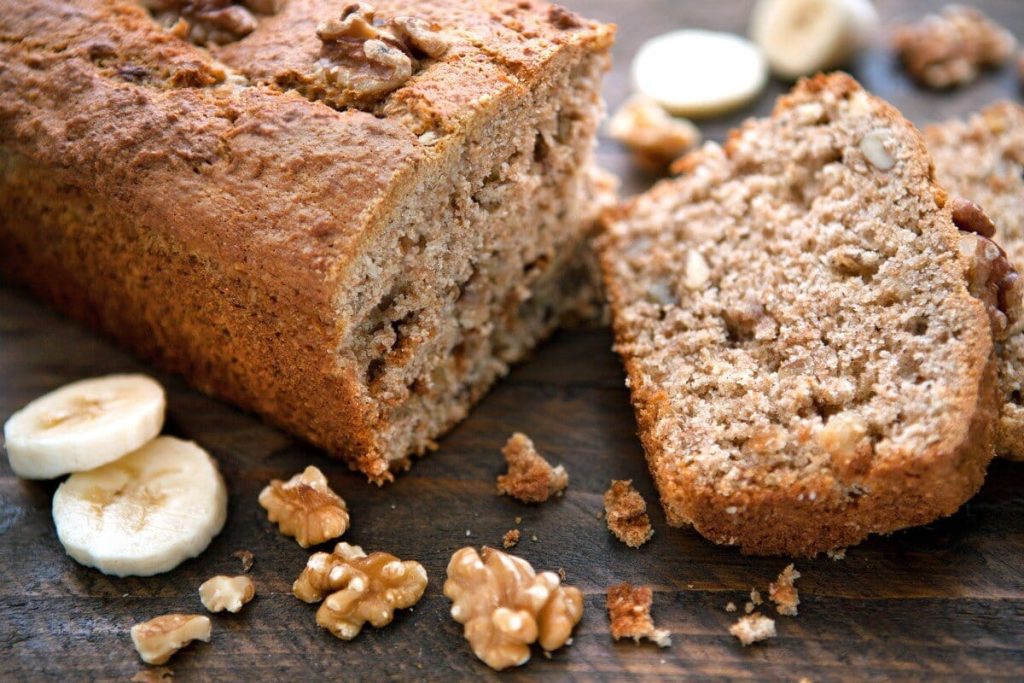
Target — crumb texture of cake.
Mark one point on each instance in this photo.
(753, 628)
(629, 612)
(530, 478)
(625, 512)
(993, 141)
(805, 360)
(359, 274)
(783, 592)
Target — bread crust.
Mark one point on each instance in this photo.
(815, 513)
(211, 222)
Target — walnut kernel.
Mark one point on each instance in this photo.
(305, 507)
(226, 593)
(530, 477)
(357, 588)
(505, 606)
(157, 639)
(655, 138)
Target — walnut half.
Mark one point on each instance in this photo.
(362, 58)
(505, 606)
(357, 588)
(159, 638)
(226, 593)
(305, 507)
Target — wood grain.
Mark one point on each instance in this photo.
(942, 602)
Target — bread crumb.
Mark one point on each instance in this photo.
(629, 610)
(246, 557)
(468, 532)
(749, 607)
(530, 478)
(836, 555)
(626, 512)
(510, 539)
(783, 593)
(755, 597)
(561, 574)
(753, 628)
(730, 607)
(534, 538)
(519, 520)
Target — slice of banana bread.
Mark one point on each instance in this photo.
(348, 219)
(805, 360)
(983, 159)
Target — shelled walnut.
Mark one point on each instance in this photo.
(530, 478)
(655, 137)
(210, 22)
(159, 638)
(357, 588)
(363, 58)
(950, 48)
(305, 507)
(226, 593)
(505, 606)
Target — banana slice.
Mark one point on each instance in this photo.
(84, 425)
(699, 73)
(145, 513)
(802, 37)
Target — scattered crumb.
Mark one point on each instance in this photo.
(468, 532)
(530, 477)
(836, 555)
(534, 538)
(783, 593)
(547, 654)
(626, 512)
(394, 507)
(153, 674)
(629, 610)
(246, 557)
(755, 597)
(519, 520)
(510, 539)
(561, 574)
(749, 607)
(730, 607)
(753, 628)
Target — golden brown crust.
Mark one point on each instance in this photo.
(223, 217)
(816, 512)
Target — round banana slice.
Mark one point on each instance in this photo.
(145, 513)
(802, 37)
(84, 425)
(699, 73)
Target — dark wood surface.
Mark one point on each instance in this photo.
(940, 602)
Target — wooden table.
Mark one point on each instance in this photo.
(940, 602)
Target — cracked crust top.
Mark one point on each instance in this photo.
(805, 360)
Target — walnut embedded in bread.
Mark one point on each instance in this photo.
(990, 277)
(362, 58)
(209, 22)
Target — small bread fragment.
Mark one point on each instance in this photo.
(510, 539)
(805, 360)
(993, 140)
(753, 628)
(952, 47)
(626, 513)
(783, 592)
(530, 478)
(629, 611)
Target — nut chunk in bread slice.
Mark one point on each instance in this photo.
(805, 360)
(993, 141)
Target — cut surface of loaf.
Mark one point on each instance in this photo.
(348, 219)
(805, 361)
(982, 159)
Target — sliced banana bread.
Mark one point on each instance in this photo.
(350, 219)
(983, 159)
(805, 360)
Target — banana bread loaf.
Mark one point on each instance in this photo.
(805, 360)
(983, 159)
(348, 219)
